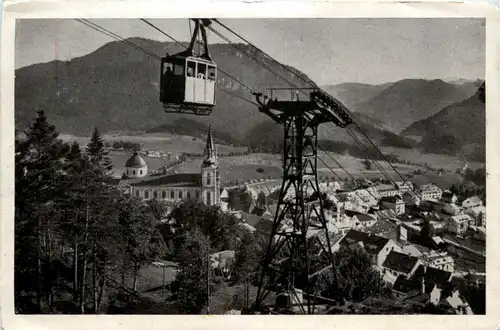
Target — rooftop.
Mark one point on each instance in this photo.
(178, 180)
(372, 244)
(400, 262)
(135, 161)
(432, 275)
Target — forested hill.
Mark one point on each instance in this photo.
(115, 88)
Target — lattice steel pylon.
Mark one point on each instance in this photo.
(300, 230)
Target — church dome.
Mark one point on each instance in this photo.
(135, 161)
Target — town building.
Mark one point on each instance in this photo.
(394, 203)
(204, 186)
(452, 209)
(478, 213)
(411, 199)
(459, 224)
(377, 247)
(430, 192)
(399, 264)
(385, 190)
(403, 187)
(472, 202)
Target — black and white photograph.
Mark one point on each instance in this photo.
(250, 166)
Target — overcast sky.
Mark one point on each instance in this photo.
(329, 51)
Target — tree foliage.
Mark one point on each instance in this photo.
(68, 240)
(357, 278)
(427, 231)
(192, 281)
(221, 228)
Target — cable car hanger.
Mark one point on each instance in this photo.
(199, 26)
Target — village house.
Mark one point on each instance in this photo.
(478, 213)
(459, 224)
(385, 190)
(361, 220)
(449, 197)
(368, 196)
(399, 264)
(386, 214)
(410, 199)
(430, 192)
(452, 209)
(439, 260)
(394, 203)
(404, 186)
(377, 247)
(472, 202)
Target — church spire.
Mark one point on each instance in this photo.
(210, 151)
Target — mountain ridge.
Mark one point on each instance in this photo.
(458, 129)
(115, 88)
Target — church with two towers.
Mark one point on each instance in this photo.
(204, 185)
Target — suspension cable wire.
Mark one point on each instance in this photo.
(369, 157)
(121, 39)
(184, 46)
(312, 85)
(272, 71)
(253, 57)
(117, 37)
(348, 185)
(347, 172)
(131, 44)
(267, 55)
(378, 150)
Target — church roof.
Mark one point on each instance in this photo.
(135, 161)
(178, 180)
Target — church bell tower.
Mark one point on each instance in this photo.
(210, 185)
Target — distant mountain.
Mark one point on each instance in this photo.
(407, 101)
(457, 129)
(352, 93)
(115, 88)
(460, 81)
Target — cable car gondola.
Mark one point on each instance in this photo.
(188, 81)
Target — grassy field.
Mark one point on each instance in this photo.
(449, 163)
(158, 141)
(257, 166)
(245, 168)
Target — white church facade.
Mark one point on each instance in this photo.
(204, 186)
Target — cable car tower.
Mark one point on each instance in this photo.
(188, 81)
(300, 228)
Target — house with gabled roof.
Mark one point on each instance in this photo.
(377, 247)
(400, 264)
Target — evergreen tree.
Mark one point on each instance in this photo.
(192, 282)
(39, 159)
(74, 152)
(98, 155)
(427, 231)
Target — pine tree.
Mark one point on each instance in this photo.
(74, 152)
(97, 154)
(39, 159)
